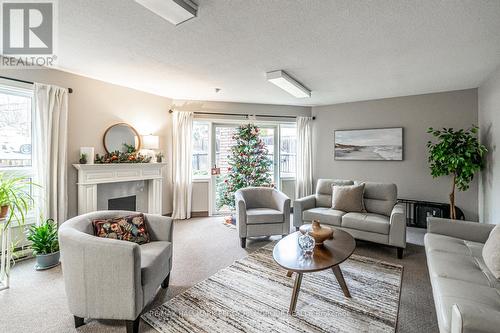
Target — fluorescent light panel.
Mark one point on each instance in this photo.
(174, 11)
(288, 84)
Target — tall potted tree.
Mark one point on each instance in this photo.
(456, 153)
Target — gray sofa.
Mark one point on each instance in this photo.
(384, 221)
(113, 279)
(466, 294)
(261, 211)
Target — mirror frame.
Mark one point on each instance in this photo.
(139, 139)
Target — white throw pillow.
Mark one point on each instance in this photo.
(348, 198)
(491, 252)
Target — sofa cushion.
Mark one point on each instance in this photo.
(128, 228)
(155, 258)
(324, 215)
(348, 198)
(324, 190)
(264, 216)
(491, 252)
(367, 222)
(449, 291)
(456, 266)
(436, 242)
(380, 198)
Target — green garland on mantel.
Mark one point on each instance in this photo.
(121, 157)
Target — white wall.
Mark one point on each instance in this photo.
(93, 106)
(457, 109)
(489, 122)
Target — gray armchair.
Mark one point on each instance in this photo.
(261, 211)
(113, 279)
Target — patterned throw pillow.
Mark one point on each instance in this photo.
(130, 228)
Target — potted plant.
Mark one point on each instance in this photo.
(45, 244)
(159, 157)
(457, 153)
(83, 158)
(15, 197)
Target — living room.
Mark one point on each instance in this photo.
(172, 166)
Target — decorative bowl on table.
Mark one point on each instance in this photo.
(319, 233)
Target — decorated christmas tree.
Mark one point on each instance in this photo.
(249, 165)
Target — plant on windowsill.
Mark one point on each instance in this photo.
(45, 244)
(15, 198)
(457, 153)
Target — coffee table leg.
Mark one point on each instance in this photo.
(340, 279)
(295, 293)
(289, 274)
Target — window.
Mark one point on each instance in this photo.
(288, 150)
(15, 127)
(16, 132)
(201, 148)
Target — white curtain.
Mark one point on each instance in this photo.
(181, 166)
(50, 149)
(303, 182)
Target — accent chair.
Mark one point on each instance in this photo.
(261, 211)
(113, 279)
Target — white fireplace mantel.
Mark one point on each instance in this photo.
(91, 175)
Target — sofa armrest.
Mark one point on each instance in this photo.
(241, 214)
(299, 206)
(102, 276)
(160, 227)
(471, 231)
(397, 231)
(474, 319)
(281, 201)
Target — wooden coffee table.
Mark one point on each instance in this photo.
(331, 254)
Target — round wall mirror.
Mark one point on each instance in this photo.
(119, 136)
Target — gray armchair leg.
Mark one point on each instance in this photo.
(400, 252)
(79, 321)
(243, 242)
(133, 325)
(166, 282)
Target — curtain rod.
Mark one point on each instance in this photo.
(70, 90)
(241, 115)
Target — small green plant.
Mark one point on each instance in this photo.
(83, 158)
(457, 153)
(159, 155)
(15, 194)
(44, 237)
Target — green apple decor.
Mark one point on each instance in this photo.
(457, 153)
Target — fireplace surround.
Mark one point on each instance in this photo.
(92, 175)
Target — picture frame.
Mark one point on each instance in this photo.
(369, 144)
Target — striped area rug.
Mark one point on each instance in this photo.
(253, 295)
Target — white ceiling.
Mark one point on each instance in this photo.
(342, 50)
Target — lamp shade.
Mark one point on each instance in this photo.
(150, 142)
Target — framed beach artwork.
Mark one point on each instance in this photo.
(379, 144)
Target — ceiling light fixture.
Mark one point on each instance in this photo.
(174, 11)
(288, 84)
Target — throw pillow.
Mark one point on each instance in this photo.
(491, 252)
(130, 228)
(348, 198)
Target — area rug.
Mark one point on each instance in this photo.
(253, 295)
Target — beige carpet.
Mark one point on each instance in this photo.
(36, 301)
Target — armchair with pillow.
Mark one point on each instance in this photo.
(113, 263)
(368, 211)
